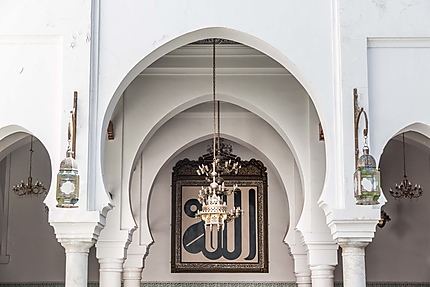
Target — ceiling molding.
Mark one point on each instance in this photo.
(232, 59)
(186, 71)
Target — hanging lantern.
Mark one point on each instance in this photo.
(68, 176)
(367, 180)
(366, 177)
(68, 182)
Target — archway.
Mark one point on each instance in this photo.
(403, 238)
(26, 237)
(155, 104)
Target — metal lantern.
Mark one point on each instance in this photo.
(367, 180)
(68, 183)
(68, 176)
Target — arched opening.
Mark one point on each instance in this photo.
(164, 114)
(404, 238)
(26, 236)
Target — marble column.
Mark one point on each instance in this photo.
(322, 275)
(132, 277)
(110, 272)
(354, 269)
(76, 261)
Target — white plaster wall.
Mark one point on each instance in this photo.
(376, 73)
(45, 55)
(399, 70)
(186, 22)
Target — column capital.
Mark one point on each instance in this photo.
(113, 243)
(358, 223)
(136, 255)
(345, 242)
(321, 249)
(76, 245)
(76, 225)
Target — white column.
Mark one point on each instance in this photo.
(301, 269)
(354, 268)
(322, 275)
(322, 258)
(303, 280)
(110, 272)
(132, 277)
(76, 261)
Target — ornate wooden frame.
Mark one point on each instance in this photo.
(253, 176)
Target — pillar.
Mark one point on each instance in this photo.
(322, 258)
(301, 267)
(322, 275)
(354, 268)
(76, 261)
(110, 272)
(132, 277)
(303, 279)
(134, 264)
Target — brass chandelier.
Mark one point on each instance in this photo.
(405, 188)
(214, 208)
(29, 189)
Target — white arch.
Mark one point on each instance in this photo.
(277, 155)
(213, 32)
(173, 108)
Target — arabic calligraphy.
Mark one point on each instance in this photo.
(237, 243)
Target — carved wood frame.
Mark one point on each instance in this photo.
(252, 172)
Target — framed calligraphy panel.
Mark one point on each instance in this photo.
(242, 246)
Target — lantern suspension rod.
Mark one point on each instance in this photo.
(358, 111)
(71, 137)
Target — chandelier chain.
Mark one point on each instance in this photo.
(404, 156)
(213, 207)
(31, 154)
(213, 92)
(219, 126)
